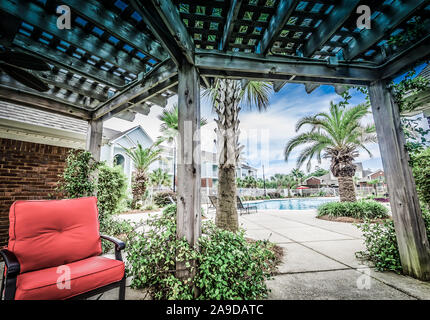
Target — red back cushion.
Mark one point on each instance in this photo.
(51, 233)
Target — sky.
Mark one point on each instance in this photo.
(265, 134)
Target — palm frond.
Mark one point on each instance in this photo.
(256, 94)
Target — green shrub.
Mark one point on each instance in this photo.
(111, 191)
(77, 179)
(421, 171)
(227, 265)
(381, 244)
(360, 210)
(161, 199)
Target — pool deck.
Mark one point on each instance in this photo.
(319, 260)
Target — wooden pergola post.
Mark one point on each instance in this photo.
(410, 230)
(188, 163)
(94, 138)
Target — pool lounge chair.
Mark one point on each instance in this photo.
(245, 207)
(214, 201)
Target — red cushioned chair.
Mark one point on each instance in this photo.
(54, 252)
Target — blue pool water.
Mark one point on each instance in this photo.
(292, 204)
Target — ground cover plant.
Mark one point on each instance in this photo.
(363, 209)
(228, 266)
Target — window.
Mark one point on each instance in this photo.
(119, 160)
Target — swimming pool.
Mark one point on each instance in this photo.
(292, 204)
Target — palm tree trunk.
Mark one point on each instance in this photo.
(228, 150)
(346, 189)
(226, 215)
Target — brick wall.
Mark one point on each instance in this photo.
(27, 171)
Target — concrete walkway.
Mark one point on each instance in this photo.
(319, 260)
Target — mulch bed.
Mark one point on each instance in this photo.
(277, 250)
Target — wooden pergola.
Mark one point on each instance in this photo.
(120, 57)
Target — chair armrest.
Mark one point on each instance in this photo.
(11, 261)
(119, 245)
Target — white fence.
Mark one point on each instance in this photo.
(361, 192)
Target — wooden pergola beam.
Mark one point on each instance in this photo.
(105, 19)
(163, 19)
(276, 24)
(411, 234)
(278, 85)
(188, 214)
(37, 16)
(340, 13)
(278, 68)
(42, 102)
(397, 11)
(232, 14)
(419, 51)
(94, 139)
(64, 61)
(71, 83)
(159, 74)
(60, 94)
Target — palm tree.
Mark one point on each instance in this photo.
(160, 178)
(142, 159)
(249, 182)
(169, 129)
(298, 175)
(340, 135)
(278, 179)
(290, 182)
(227, 96)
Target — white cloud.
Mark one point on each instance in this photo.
(277, 124)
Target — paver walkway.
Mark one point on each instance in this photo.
(319, 260)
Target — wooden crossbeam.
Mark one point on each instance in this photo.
(276, 24)
(71, 83)
(58, 93)
(36, 16)
(159, 74)
(382, 24)
(233, 11)
(105, 19)
(163, 19)
(67, 62)
(147, 95)
(340, 13)
(277, 85)
(41, 102)
(402, 62)
(214, 63)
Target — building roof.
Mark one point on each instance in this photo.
(15, 112)
(28, 124)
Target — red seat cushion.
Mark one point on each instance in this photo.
(51, 233)
(85, 275)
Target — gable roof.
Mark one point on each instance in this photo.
(119, 135)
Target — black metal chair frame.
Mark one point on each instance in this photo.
(241, 207)
(213, 204)
(8, 284)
